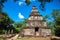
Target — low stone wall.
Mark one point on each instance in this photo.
(6, 35)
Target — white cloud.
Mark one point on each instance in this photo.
(20, 3)
(20, 16)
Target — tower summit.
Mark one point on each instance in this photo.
(34, 11)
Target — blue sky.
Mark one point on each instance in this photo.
(19, 10)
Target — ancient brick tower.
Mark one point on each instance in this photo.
(36, 26)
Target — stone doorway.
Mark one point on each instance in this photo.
(36, 31)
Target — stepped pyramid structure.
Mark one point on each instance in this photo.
(36, 26)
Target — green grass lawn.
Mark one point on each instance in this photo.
(37, 38)
(1, 39)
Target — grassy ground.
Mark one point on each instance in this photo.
(1, 39)
(37, 38)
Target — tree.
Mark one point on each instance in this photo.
(55, 23)
(5, 21)
(1, 4)
(57, 31)
(19, 25)
(46, 17)
(42, 3)
(56, 17)
(27, 2)
(24, 22)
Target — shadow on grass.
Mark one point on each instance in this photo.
(55, 39)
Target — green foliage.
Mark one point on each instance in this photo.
(55, 23)
(2, 39)
(24, 22)
(56, 16)
(40, 0)
(19, 25)
(5, 21)
(52, 30)
(42, 5)
(27, 2)
(44, 0)
(1, 4)
(50, 24)
(45, 17)
(2, 31)
(15, 0)
(57, 31)
(15, 30)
